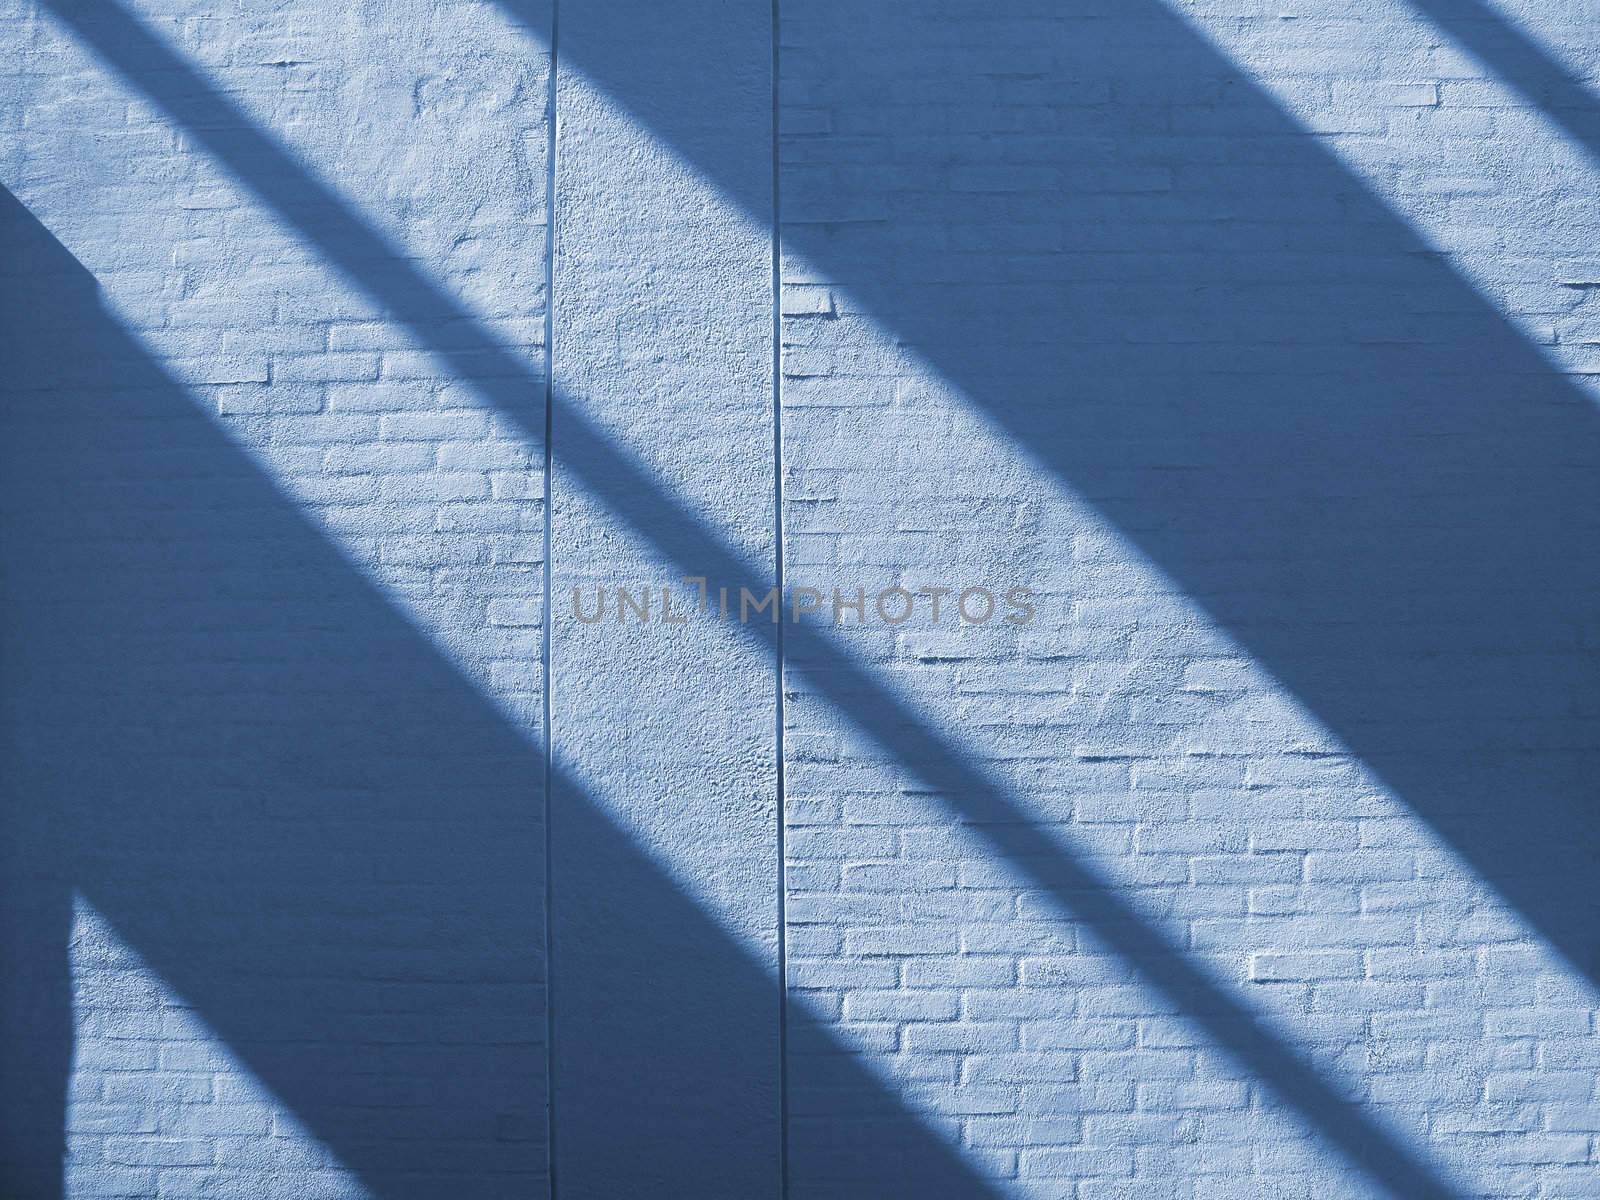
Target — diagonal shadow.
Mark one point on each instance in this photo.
(303, 817)
(1518, 61)
(1204, 324)
(1226, 344)
(299, 815)
(1168, 296)
(374, 267)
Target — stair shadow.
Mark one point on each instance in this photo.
(321, 217)
(300, 815)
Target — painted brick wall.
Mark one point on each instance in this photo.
(1257, 341)
(1178, 315)
(274, 538)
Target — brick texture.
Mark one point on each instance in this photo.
(272, 527)
(1257, 341)
(1197, 346)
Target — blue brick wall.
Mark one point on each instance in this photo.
(1256, 341)
(272, 524)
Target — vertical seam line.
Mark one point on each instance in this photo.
(545, 646)
(778, 565)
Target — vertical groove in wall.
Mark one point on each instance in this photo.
(777, 516)
(544, 649)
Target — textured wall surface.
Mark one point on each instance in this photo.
(273, 519)
(665, 864)
(1258, 342)
(1075, 299)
